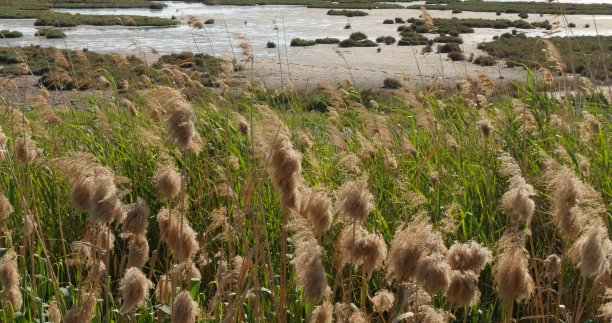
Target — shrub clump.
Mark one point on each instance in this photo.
(412, 39)
(483, 60)
(327, 40)
(50, 33)
(270, 44)
(456, 56)
(209, 21)
(10, 34)
(391, 83)
(388, 40)
(388, 22)
(448, 39)
(399, 20)
(347, 13)
(299, 42)
(357, 36)
(448, 48)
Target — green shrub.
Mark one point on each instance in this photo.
(354, 43)
(327, 40)
(298, 42)
(456, 56)
(10, 34)
(456, 11)
(319, 103)
(209, 21)
(357, 36)
(448, 39)
(270, 44)
(347, 26)
(347, 13)
(391, 83)
(523, 15)
(412, 39)
(388, 22)
(571, 25)
(51, 33)
(399, 20)
(485, 60)
(449, 47)
(157, 6)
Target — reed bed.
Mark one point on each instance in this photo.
(169, 201)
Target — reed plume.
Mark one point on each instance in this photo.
(26, 150)
(3, 148)
(463, 289)
(308, 262)
(470, 256)
(105, 205)
(514, 283)
(137, 218)
(177, 234)
(359, 247)
(322, 313)
(167, 181)
(53, 313)
(316, 207)
(134, 289)
(410, 243)
(285, 167)
(433, 273)
(427, 19)
(554, 56)
(517, 200)
(355, 202)
(591, 250)
(6, 209)
(9, 275)
(138, 251)
(383, 301)
(184, 308)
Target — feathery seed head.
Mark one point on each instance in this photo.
(322, 313)
(355, 201)
(6, 209)
(514, 283)
(383, 301)
(134, 289)
(179, 237)
(167, 181)
(138, 251)
(433, 273)
(470, 256)
(184, 308)
(463, 289)
(316, 207)
(137, 218)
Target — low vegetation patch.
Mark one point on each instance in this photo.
(388, 40)
(299, 42)
(5, 33)
(347, 13)
(412, 39)
(581, 54)
(50, 32)
(58, 19)
(519, 7)
(391, 83)
(485, 60)
(327, 40)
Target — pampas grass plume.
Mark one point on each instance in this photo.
(6, 209)
(463, 289)
(137, 218)
(184, 308)
(433, 273)
(134, 289)
(355, 201)
(167, 181)
(322, 313)
(383, 301)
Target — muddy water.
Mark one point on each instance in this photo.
(259, 24)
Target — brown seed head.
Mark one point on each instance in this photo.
(6, 209)
(134, 289)
(184, 308)
(355, 201)
(137, 218)
(322, 313)
(167, 181)
(433, 273)
(316, 207)
(177, 234)
(383, 301)
(463, 289)
(138, 251)
(470, 256)
(512, 275)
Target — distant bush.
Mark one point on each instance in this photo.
(357, 36)
(157, 6)
(448, 39)
(388, 40)
(270, 44)
(327, 40)
(498, 13)
(399, 20)
(456, 56)
(449, 47)
(298, 42)
(209, 21)
(391, 83)
(354, 43)
(10, 34)
(347, 13)
(523, 15)
(587, 26)
(571, 25)
(50, 33)
(388, 22)
(412, 39)
(485, 60)
(347, 26)
(319, 103)
(427, 49)
(404, 28)
(455, 11)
